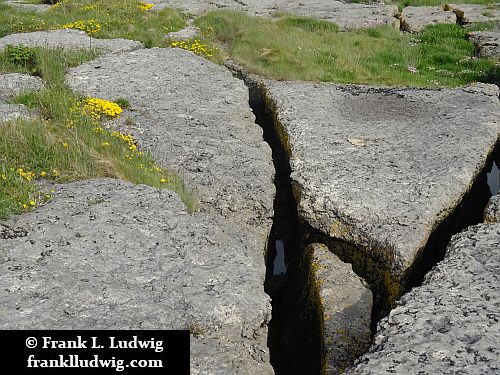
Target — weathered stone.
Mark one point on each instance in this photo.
(346, 303)
(194, 118)
(450, 324)
(387, 194)
(189, 32)
(27, 7)
(415, 19)
(105, 254)
(487, 43)
(69, 39)
(345, 15)
(328, 315)
(10, 112)
(14, 84)
(474, 13)
(492, 212)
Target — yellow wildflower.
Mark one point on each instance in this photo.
(144, 6)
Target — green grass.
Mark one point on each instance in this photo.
(405, 3)
(304, 49)
(67, 144)
(114, 19)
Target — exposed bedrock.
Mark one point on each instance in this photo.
(69, 39)
(492, 212)
(415, 19)
(475, 13)
(328, 314)
(487, 43)
(12, 85)
(27, 7)
(345, 15)
(385, 176)
(157, 266)
(448, 325)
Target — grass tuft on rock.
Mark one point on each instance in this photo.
(69, 142)
(295, 48)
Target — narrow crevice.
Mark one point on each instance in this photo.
(295, 331)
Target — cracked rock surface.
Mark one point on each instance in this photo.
(381, 167)
(487, 43)
(68, 39)
(448, 325)
(492, 212)
(346, 302)
(415, 19)
(14, 84)
(10, 112)
(345, 15)
(145, 261)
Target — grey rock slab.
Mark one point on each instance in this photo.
(106, 254)
(415, 19)
(11, 112)
(27, 7)
(189, 32)
(194, 117)
(492, 211)
(449, 324)
(420, 150)
(69, 39)
(487, 43)
(346, 15)
(14, 84)
(475, 13)
(346, 303)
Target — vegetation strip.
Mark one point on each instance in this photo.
(298, 48)
(69, 141)
(129, 19)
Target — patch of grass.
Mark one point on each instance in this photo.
(40, 61)
(69, 142)
(301, 49)
(123, 103)
(101, 18)
(405, 3)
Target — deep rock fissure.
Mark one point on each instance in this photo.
(302, 351)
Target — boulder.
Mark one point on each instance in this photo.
(487, 43)
(68, 39)
(415, 19)
(381, 168)
(14, 84)
(449, 324)
(492, 212)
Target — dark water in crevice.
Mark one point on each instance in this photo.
(284, 243)
(494, 178)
